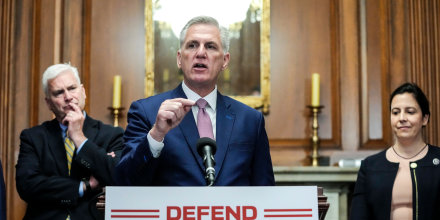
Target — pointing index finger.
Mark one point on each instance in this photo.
(186, 102)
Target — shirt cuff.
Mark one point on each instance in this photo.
(80, 146)
(81, 190)
(155, 146)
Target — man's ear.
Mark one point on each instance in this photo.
(178, 58)
(48, 103)
(226, 59)
(83, 91)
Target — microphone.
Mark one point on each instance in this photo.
(206, 147)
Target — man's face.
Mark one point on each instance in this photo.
(201, 57)
(63, 91)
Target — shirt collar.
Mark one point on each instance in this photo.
(211, 98)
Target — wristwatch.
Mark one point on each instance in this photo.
(88, 187)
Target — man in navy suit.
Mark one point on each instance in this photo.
(161, 137)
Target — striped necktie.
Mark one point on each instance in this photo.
(70, 149)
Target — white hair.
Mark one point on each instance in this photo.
(54, 70)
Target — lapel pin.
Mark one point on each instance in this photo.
(436, 161)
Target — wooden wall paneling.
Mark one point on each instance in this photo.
(117, 47)
(72, 33)
(374, 84)
(304, 39)
(33, 50)
(424, 21)
(385, 74)
(349, 80)
(34, 101)
(44, 54)
(399, 43)
(335, 55)
(7, 122)
(20, 61)
(21, 67)
(86, 48)
(435, 98)
(301, 44)
(75, 40)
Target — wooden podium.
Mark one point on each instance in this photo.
(323, 205)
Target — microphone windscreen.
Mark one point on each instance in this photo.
(202, 142)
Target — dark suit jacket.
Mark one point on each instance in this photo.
(42, 175)
(373, 191)
(242, 157)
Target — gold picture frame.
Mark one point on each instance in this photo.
(260, 100)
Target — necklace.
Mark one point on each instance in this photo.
(408, 158)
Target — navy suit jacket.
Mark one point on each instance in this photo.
(242, 157)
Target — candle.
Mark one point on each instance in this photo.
(117, 91)
(315, 89)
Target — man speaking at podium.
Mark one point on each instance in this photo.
(163, 130)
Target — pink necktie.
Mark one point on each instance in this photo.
(204, 124)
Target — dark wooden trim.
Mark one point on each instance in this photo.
(61, 29)
(386, 137)
(86, 48)
(35, 65)
(335, 39)
(385, 70)
(424, 55)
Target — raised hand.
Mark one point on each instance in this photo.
(170, 114)
(74, 120)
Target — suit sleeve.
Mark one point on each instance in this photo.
(359, 208)
(262, 170)
(36, 186)
(94, 154)
(137, 164)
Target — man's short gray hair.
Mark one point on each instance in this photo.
(54, 70)
(224, 33)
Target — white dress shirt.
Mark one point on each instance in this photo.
(157, 146)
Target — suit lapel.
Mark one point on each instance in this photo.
(188, 128)
(89, 128)
(225, 122)
(56, 146)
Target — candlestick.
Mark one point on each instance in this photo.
(116, 112)
(315, 89)
(315, 138)
(116, 91)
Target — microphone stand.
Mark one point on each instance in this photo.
(206, 147)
